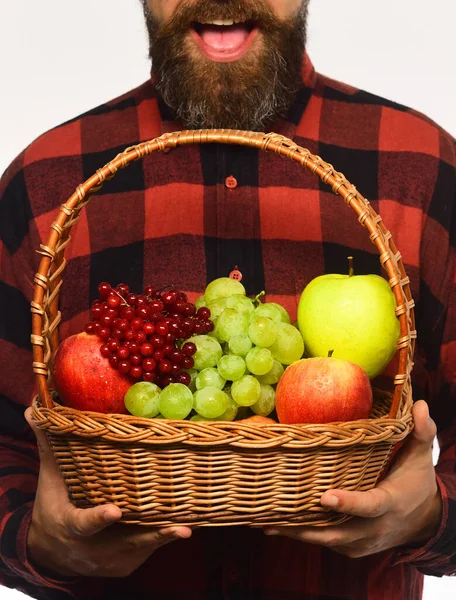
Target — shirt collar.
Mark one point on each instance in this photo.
(285, 127)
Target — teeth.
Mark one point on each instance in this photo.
(224, 22)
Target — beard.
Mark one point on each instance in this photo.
(249, 93)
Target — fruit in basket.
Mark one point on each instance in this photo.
(258, 420)
(222, 288)
(176, 401)
(145, 335)
(142, 399)
(354, 315)
(323, 390)
(84, 380)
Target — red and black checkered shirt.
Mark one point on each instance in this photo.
(176, 218)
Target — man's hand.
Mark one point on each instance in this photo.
(70, 541)
(404, 509)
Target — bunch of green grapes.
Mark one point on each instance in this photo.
(237, 365)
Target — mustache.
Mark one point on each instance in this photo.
(202, 11)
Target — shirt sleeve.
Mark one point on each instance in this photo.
(19, 460)
(436, 358)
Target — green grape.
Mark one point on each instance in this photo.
(159, 416)
(259, 361)
(230, 323)
(217, 307)
(273, 375)
(141, 400)
(282, 310)
(262, 331)
(176, 401)
(269, 311)
(210, 402)
(232, 410)
(222, 288)
(240, 303)
(266, 402)
(246, 390)
(193, 374)
(200, 302)
(200, 418)
(209, 377)
(231, 367)
(208, 351)
(240, 344)
(289, 345)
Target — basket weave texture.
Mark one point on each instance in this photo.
(162, 472)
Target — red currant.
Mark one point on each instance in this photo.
(140, 337)
(89, 328)
(188, 362)
(149, 376)
(137, 324)
(127, 312)
(189, 349)
(124, 367)
(113, 345)
(184, 378)
(129, 335)
(113, 301)
(169, 298)
(104, 333)
(176, 356)
(161, 328)
(165, 365)
(123, 289)
(149, 290)
(136, 372)
(158, 355)
(114, 361)
(105, 351)
(149, 365)
(149, 328)
(203, 313)
(147, 349)
(136, 359)
(104, 289)
(123, 352)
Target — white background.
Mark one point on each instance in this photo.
(60, 58)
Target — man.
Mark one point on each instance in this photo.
(192, 214)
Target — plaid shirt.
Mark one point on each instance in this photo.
(190, 215)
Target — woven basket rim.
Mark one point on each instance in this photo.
(126, 428)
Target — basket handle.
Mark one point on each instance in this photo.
(48, 280)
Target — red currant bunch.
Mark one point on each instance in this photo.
(143, 335)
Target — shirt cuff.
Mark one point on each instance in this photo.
(434, 557)
(19, 562)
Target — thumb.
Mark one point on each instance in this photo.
(419, 443)
(425, 429)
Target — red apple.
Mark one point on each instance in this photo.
(322, 390)
(85, 380)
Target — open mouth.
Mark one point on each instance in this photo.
(224, 40)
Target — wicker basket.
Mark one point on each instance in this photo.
(163, 472)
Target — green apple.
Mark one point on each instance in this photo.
(353, 315)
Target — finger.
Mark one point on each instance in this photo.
(86, 522)
(373, 503)
(332, 536)
(151, 538)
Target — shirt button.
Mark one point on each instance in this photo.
(233, 575)
(231, 182)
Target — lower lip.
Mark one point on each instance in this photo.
(225, 56)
